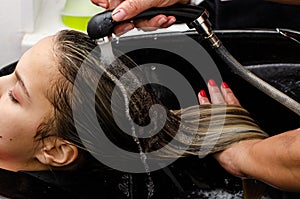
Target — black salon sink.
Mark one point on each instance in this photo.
(267, 53)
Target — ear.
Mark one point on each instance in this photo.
(57, 152)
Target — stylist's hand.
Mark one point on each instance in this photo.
(223, 95)
(127, 9)
(231, 158)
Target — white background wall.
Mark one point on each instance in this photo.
(19, 20)
(25, 22)
(11, 33)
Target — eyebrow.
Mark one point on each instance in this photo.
(22, 83)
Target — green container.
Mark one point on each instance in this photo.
(77, 13)
(74, 22)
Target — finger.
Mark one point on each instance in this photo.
(202, 98)
(130, 8)
(215, 93)
(159, 21)
(229, 95)
(147, 25)
(123, 28)
(102, 3)
(113, 4)
(151, 24)
(171, 21)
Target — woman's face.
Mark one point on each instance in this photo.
(23, 106)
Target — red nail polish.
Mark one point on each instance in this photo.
(212, 82)
(203, 93)
(224, 85)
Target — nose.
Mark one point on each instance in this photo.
(6, 83)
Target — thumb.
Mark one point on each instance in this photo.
(130, 8)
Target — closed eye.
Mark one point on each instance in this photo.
(12, 98)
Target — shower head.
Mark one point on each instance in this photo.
(102, 24)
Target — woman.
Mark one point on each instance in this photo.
(40, 100)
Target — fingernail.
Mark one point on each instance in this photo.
(103, 5)
(224, 85)
(203, 93)
(161, 21)
(171, 21)
(212, 82)
(118, 15)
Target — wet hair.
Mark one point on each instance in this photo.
(197, 130)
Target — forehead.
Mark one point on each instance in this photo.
(40, 58)
(38, 66)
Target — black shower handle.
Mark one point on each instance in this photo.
(102, 24)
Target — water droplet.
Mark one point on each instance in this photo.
(117, 40)
(153, 67)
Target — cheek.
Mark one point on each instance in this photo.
(13, 122)
(16, 127)
(18, 116)
(16, 140)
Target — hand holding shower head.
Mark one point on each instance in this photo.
(102, 24)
